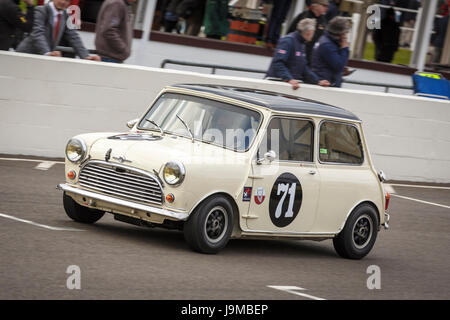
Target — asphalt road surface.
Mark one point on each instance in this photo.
(38, 243)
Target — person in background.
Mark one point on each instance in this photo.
(216, 19)
(113, 31)
(333, 9)
(438, 38)
(11, 19)
(289, 62)
(387, 38)
(383, 10)
(277, 16)
(170, 16)
(317, 12)
(331, 52)
(408, 20)
(189, 11)
(49, 28)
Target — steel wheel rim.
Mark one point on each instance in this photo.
(362, 231)
(216, 224)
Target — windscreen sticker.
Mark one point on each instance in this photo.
(323, 150)
(285, 200)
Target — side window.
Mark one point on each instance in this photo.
(340, 143)
(291, 139)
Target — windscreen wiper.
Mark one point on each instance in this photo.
(156, 125)
(189, 130)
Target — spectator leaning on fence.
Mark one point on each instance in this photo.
(317, 12)
(11, 19)
(331, 52)
(289, 62)
(113, 32)
(49, 28)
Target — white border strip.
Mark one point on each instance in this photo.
(38, 224)
(421, 201)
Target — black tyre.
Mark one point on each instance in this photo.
(209, 227)
(79, 213)
(359, 234)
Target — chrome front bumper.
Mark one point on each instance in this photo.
(124, 203)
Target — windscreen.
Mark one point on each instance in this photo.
(210, 121)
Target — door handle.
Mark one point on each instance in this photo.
(312, 172)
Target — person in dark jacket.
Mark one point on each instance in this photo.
(331, 52)
(289, 61)
(438, 38)
(387, 38)
(333, 9)
(317, 12)
(11, 19)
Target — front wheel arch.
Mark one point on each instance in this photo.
(229, 198)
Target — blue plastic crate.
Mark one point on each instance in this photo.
(431, 85)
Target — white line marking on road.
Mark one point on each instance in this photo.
(416, 186)
(45, 165)
(30, 160)
(422, 201)
(38, 224)
(293, 290)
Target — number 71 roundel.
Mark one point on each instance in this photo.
(285, 200)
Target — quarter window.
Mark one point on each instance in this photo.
(340, 143)
(291, 139)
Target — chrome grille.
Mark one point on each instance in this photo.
(120, 181)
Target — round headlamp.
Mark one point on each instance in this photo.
(75, 150)
(174, 173)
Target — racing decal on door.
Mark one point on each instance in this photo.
(285, 200)
(247, 194)
(260, 195)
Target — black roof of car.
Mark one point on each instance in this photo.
(273, 100)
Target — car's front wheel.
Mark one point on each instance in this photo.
(359, 234)
(209, 227)
(79, 213)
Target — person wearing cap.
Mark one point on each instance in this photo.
(331, 52)
(316, 11)
(289, 61)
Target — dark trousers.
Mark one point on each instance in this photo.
(277, 17)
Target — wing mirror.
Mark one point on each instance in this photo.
(269, 156)
(131, 123)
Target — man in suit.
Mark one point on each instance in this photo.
(49, 29)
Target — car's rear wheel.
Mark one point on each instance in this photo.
(359, 234)
(79, 213)
(209, 227)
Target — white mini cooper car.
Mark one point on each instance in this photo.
(224, 162)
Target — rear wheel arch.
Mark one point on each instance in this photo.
(368, 202)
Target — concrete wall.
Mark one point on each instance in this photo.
(44, 101)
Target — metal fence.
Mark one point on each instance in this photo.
(215, 67)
